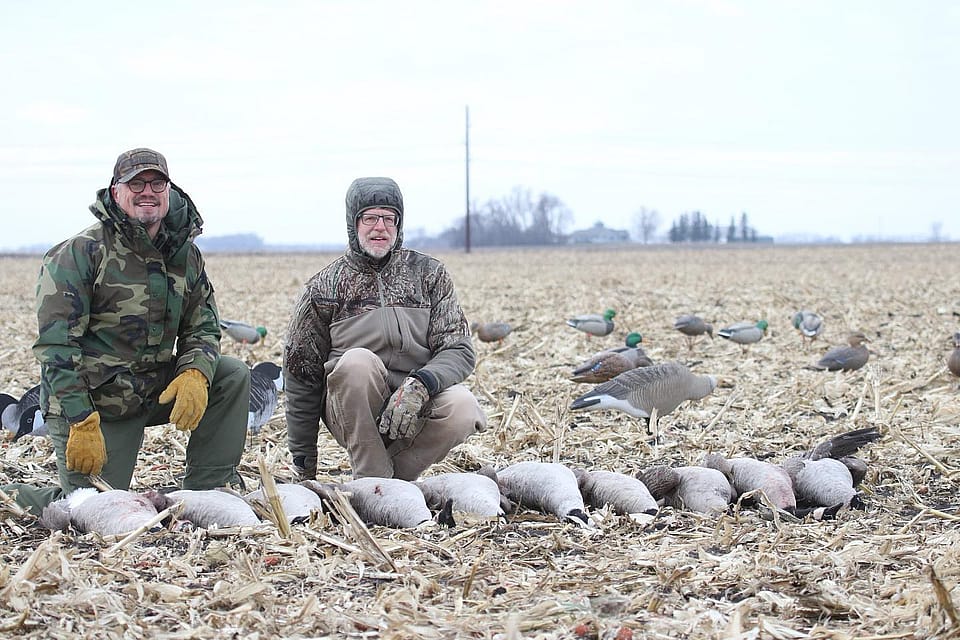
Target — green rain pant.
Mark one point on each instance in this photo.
(213, 451)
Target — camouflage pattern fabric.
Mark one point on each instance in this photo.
(119, 315)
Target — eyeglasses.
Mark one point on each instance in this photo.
(370, 219)
(158, 185)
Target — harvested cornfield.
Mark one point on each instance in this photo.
(889, 571)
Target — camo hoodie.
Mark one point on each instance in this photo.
(116, 311)
(404, 308)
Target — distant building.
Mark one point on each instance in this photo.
(598, 234)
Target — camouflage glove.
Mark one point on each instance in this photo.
(190, 390)
(401, 417)
(86, 451)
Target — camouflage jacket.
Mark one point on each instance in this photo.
(406, 311)
(119, 315)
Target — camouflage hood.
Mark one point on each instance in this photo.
(181, 224)
(370, 193)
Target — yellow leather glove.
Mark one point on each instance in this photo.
(86, 451)
(190, 390)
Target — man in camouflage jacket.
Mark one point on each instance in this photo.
(377, 347)
(128, 324)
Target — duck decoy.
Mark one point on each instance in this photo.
(637, 392)
(213, 508)
(744, 333)
(696, 488)
(491, 331)
(594, 324)
(809, 324)
(266, 383)
(113, 512)
(692, 327)
(953, 360)
(548, 487)
(622, 493)
(23, 417)
(389, 502)
(242, 332)
(472, 493)
(848, 358)
(607, 364)
(828, 474)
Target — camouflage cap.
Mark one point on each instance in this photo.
(135, 161)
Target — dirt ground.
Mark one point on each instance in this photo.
(889, 571)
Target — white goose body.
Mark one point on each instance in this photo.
(113, 512)
(548, 487)
(623, 493)
(636, 392)
(748, 474)
(389, 502)
(297, 500)
(471, 493)
(214, 508)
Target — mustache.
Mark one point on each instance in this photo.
(147, 201)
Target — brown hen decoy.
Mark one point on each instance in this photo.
(849, 358)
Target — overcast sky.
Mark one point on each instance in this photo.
(827, 118)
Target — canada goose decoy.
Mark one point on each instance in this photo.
(213, 508)
(472, 493)
(607, 364)
(23, 417)
(491, 331)
(243, 332)
(594, 324)
(953, 360)
(692, 327)
(389, 502)
(547, 487)
(298, 501)
(828, 474)
(849, 358)
(744, 333)
(809, 324)
(624, 494)
(113, 512)
(266, 383)
(698, 489)
(636, 392)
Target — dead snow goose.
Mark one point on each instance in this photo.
(548, 487)
(471, 493)
(113, 512)
(389, 502)
(297, 500)
(623, 493)
(695, 488)
(214, 507)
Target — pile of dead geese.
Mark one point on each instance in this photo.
(816, 484)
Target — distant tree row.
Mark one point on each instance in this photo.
(516, 219)
(694, 227)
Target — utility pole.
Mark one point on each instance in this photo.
(467, 221)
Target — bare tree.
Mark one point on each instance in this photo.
(645, 224)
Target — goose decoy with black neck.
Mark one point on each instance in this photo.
(744, 333)
(637, 392)
(848, 358)
(594, 324)
(23, 417)
(548, 487)
(242, 332)
(809, 324)
(607, 364)
(692, 327)
(266, 383)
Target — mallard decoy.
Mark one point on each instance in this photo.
(828, 474)
(637, 392)
(491, 331)
(389, 502)
(243, 332)
(23, 417)
(744, 333)
(471, 493)
(594, 324)
(809, 324)
(849, 358)
(266, 383)
(695, 488)
(622, 493)
(607, 364)
(548, 487)
(113, 512)
(692, 327)
(953, 360)
(213, 508)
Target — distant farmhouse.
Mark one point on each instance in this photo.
(598, 234)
